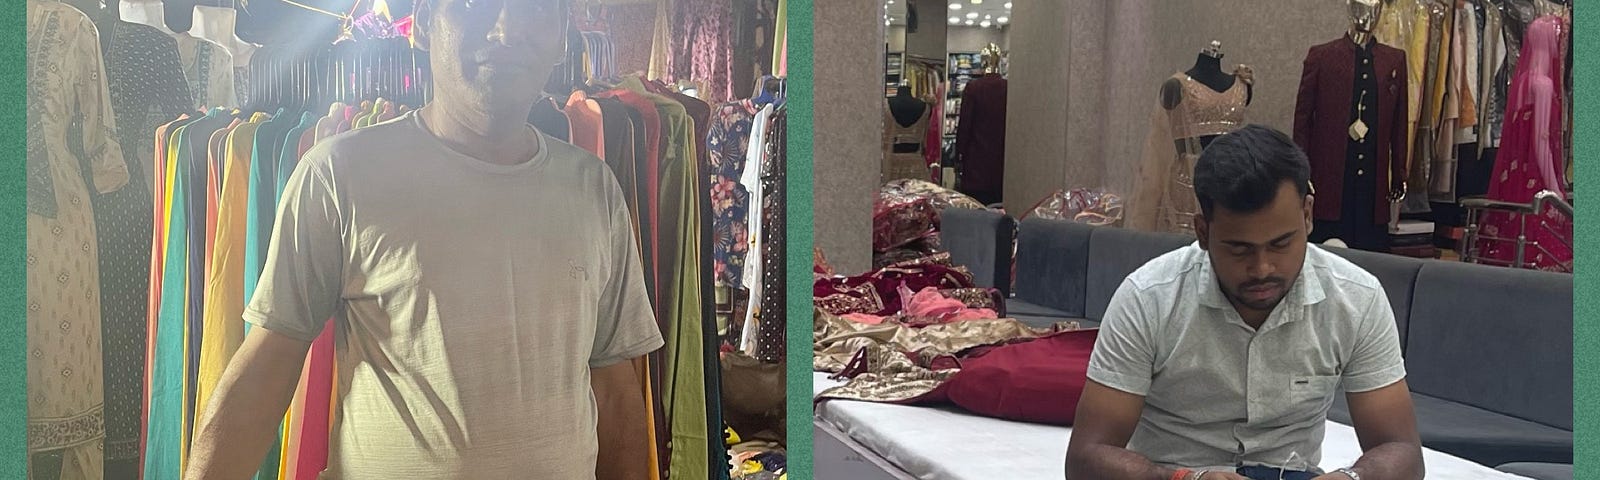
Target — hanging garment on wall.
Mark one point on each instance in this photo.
(209, 69)
(72, 154)
(146, 84)
(1164, 198)
(702, 47)
(1350, 118)
(1532, 155)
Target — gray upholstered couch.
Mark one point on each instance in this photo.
(1488, 350)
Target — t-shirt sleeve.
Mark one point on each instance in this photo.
(1124, 352)
(299, 288)
(627, 327)
(1375, 360)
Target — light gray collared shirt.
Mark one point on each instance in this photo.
(1219, 394)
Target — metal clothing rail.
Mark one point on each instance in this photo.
(1477, 206)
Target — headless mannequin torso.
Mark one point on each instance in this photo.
(145, 12)
(1207, 70)
(906, 108)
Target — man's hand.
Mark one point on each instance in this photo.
(1220, 475)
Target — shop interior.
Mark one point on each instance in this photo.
(208, 105)
(1032, 154)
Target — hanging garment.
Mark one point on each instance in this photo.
(1328, 96)
(753, 278)
(774, 203)
(702, 46)
(1531, 157)
(981, 138)
(1164, 198)
(209, 69)
(66, 87)
(145, 80)
(224, 331)
(900, 165)
(726, 145)
(679, 265)
(164, 440)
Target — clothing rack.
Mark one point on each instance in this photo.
(346, 72)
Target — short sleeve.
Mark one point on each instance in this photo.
(1124, 352)
(1375, 360)
(301, 285)
(627, 326)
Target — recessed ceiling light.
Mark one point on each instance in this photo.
(988, 17)
(1008, 5)
(955, 6)
(977, 2)
(972, 15)
(954, 20)
(985, 24)
(969, 22)
(891, 2)
(1003, 19)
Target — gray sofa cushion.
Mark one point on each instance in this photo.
(1017, 306)
(1114, 253)
(1053, 264)
(982, 241)
(1495, 338)
(1476, 434)
(1539, 471)
(1397, 274)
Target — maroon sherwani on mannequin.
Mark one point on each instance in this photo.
(981, 138)
(1323, 116)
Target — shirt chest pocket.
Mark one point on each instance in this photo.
(1304, 397)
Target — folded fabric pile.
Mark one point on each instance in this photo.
(878, 292)
(994, 367)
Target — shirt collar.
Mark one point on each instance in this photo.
(1307, 289)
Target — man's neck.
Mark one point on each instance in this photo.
(492, 137)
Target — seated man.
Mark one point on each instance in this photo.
(1220, 360)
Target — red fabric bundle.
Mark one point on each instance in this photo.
(896, 222)
(1035, 381)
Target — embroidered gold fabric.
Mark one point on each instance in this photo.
(894, 359)
(1163, 198)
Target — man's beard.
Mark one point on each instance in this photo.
(1238, 296)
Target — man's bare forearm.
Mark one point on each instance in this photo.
(236, 429)
(622, 424)
(1391, 461)
(1091, 462)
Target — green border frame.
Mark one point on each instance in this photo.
(800, 227)
(13, 235)
(1586, 232)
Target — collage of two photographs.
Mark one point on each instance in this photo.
(565, 239)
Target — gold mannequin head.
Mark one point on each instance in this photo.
(1363, 18)
(991, 58)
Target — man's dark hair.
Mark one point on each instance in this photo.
(1243, 170)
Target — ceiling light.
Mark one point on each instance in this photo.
(969, 22)
(1003, 19)
(955, 6)
(891, 2)
(984, 24)
(954, 20)
(977, 2)
(972, 15)
(1008, 5)
(987, 17)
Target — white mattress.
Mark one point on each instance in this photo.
(948, 444)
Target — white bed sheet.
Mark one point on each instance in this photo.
(949, 444)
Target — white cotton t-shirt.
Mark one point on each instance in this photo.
(470, 301)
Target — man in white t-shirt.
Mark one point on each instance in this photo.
(1220, 360)
(482, 278)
